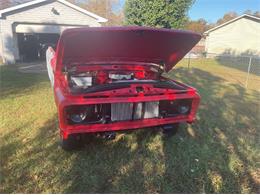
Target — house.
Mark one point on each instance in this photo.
(199, 48)
(240, 36)
(27, 29)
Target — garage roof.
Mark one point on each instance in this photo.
(34, 2)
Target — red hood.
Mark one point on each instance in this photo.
(118, 44)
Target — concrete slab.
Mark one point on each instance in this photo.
(33, 67)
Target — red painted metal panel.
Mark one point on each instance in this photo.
(136, 44)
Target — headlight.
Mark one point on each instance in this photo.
(78, 117)
(82, 81)
(183, 109)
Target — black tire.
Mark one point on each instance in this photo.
(170, 130)
(73, 142)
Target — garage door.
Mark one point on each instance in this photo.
(39, 28)
(34, 39)
(32, 46)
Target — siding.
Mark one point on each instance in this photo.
(9, 42)
(42, 13)
(40, 17)
(1, 45)
(239, 37)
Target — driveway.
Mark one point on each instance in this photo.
(32, 67)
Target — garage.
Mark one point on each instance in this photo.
(28, 29)
(33, 46)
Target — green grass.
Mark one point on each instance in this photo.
(219, 153)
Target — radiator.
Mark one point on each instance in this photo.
(151, 109)
(121, 111)
(134, 111)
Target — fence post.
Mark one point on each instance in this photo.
(248, 70)
(189, 62)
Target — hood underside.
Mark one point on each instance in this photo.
(124, 44)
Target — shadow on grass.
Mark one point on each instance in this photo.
(226, 117)
(241, 63)
(13, 82)
(213, 155)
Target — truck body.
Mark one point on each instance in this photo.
(110, 79)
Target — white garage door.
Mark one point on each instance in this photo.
(39, 28)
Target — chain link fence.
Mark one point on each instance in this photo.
(244, 69)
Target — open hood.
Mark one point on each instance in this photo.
(124, 44)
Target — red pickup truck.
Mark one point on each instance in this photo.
(108, 79)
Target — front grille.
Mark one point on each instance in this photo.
(121, 111)
(106, 113)
(151, 109)
(134, 111)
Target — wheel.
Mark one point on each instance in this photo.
(170, 129)
(73, 142)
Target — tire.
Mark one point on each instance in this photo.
(73, 142)
(170, 129)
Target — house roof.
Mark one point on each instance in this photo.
(231, 21)
(34, 2)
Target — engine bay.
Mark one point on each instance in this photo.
(122, 81)
(97, 81)
(91, 78)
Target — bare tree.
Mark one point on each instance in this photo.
(250, 12)
(8, 3)
(199, 26)
(257, 14)
(104, 8)
(228, 16)
(5, 4)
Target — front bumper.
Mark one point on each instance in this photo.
(66, 129)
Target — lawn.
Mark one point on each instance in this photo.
(219, 153)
